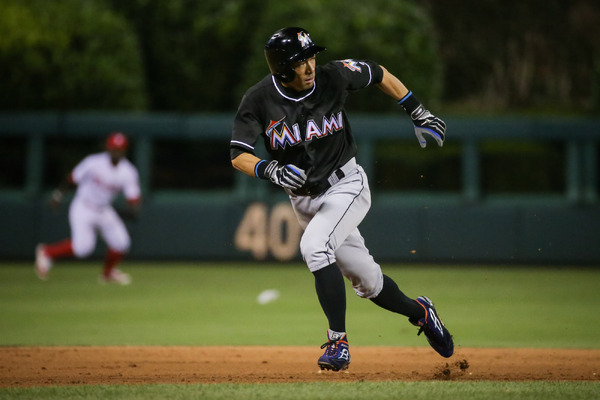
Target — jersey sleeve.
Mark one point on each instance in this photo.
(131, 186)
(81, 170)
(359, 74)
(246, 128)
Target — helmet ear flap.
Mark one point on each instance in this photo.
(286, 74)
(281, 70)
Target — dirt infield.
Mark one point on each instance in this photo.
(41, 366)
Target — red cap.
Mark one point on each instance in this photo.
(117, 141)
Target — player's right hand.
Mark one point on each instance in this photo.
(287, 176)
(427, 124)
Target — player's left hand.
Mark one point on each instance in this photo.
(428, 124)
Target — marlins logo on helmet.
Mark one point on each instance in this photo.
(304, 39)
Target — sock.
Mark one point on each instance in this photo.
(331, 292)
(60, 249)
(392, 299)
(333, 335)
(111, 259)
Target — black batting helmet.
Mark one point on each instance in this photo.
(287, 46)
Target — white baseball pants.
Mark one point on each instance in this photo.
(87, 220)
(330, 222)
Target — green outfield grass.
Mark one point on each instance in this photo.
(215, 304)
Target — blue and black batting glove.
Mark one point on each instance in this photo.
(285, 175)
(423, 121)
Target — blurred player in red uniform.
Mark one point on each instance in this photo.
(99, 179)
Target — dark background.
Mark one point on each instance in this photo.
(462, 58)
(535, 56)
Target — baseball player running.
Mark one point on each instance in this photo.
(298, 113)
(99, 178)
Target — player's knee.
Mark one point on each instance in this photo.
(83, 250)
(120, 243)
(368, 285)
(121, 247)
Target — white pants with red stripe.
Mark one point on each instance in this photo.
(87, 221)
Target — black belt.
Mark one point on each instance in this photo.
(317, 189)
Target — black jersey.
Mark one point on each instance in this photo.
(308, 129)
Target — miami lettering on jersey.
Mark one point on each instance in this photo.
(282, 136)
(280, 133)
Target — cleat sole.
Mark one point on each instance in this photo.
(330, 367)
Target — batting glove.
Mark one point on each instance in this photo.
(287, 176)
(425, 122)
